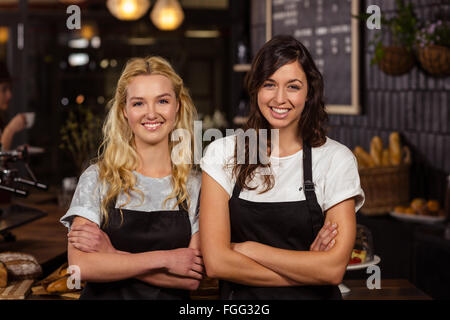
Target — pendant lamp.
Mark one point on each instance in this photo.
(167, 14)
(128, 9)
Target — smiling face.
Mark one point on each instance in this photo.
(151, 109)
(282, 97)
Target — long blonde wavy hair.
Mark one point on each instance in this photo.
(117, 156)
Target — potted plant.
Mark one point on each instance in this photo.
(433, 48)
(397, 58)
(80, 136)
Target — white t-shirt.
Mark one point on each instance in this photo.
(334, 169)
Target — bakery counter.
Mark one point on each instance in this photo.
(390, 289)
(45, 238)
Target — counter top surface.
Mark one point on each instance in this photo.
(44, 238)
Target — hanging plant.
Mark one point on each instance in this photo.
(433, 48)
(395, 58)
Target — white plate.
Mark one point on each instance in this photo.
(416, 218)
(357, 266)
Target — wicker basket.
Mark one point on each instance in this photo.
(396, 61)
(384, 188)
(435, 60)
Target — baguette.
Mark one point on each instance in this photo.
(395, 149)
(376, 149)
(364, 159)
(385, 158)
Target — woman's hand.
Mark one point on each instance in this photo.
(185, 262)
(89, 237)
(323, 242)
(325, 238)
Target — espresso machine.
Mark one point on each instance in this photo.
(11, 181)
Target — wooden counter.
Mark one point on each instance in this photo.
(391, 289)
(45, 238)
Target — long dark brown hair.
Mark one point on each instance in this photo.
(279, 51)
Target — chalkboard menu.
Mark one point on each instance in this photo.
(331, 35)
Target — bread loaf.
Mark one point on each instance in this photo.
(20, 266)
(3, 276)
(11, 256)
(385, 159)
(364, 159)
(23, 269)
(395, 149)
(376, 149)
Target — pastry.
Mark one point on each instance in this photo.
(399, 209)
(433, 206)
(419, 205)
(395, 150)
(358, 256)
(376, 149)
(3, 276)
(409, 210)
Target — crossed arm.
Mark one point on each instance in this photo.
(256, 264)
(178, 268)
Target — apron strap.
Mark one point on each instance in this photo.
(315, 212)
(236, 190)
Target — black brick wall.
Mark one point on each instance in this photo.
(416, 105)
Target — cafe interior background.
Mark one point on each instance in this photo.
(67, 76)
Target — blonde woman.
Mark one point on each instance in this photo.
(133, 218)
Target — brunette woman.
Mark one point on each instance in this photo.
(267, 236)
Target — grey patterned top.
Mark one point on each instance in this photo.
(86, 200)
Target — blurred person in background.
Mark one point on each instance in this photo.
(18, 122)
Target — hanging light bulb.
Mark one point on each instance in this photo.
(89, 30)
(4, 35)
(167, 14)
(72, 1)
(128, 9)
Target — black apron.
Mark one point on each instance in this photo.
(285, 225)
(141, 232)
